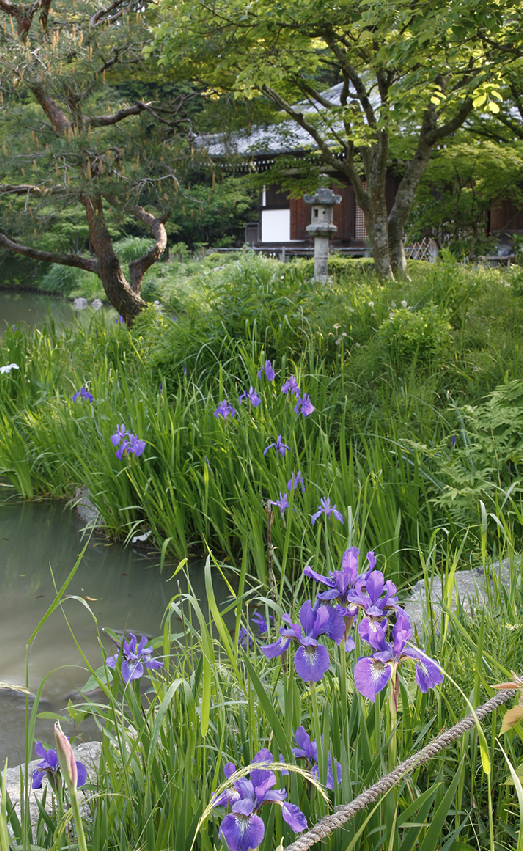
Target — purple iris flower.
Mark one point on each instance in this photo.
(296, 481)
(119, 434)
(130, 444)
(84, 394)
(243, 829)
(251, 397)
(136, 446)
(304, 405)
(340, 584)
(135, 658)
(311, 659)
(327, 509)
(309, 750)
(280, 447)
(50, 765)
(245, 637)
(453, 440)
(377, 598)
(282, 503)
(291, 386)
(123, 449)
(268, 370)
(224, 410)
(119, 320)
(372, 673)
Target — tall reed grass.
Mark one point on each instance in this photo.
(401, 448)
(164, 749)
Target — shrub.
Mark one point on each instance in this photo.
(420, 336)
(62, 279)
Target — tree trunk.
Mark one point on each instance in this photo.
(376, 226)
(124, 299)
(398, 261)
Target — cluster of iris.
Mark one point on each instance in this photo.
(243, 828)
(347, 595)
(83, 393)
(303, 404)
(128, 443)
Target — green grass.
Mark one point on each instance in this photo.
(163, 753)
(390, 394)
(379, 445)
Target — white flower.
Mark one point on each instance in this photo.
(404, 303)
(371, 304)
(393, 304)
(9, 367)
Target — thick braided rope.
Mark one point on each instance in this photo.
(368, 796)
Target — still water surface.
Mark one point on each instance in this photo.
(33, 309)
(39, 545)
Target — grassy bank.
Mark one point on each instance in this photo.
(213, 704)
(405, 433)
(416, 395)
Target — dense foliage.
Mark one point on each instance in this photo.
(287, 427)
(400, 381)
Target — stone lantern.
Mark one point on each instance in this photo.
(322, 227)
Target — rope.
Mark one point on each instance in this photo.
(347, 811)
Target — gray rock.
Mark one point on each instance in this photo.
(87, 752)
(470, 586)
(85, 508)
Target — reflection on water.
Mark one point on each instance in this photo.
(32, 309)
(39, 544)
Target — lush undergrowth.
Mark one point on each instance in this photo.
(415, 388)
(281, 423)
(217, 701)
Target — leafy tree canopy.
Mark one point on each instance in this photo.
(410, 74)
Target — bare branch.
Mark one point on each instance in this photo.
(24, 189)
(44, 13)
(453, 124)
(138, 268)
(99, 16)
(56, 116)
(107, 120)
(85, 263)
(329, 157)
(110, 62)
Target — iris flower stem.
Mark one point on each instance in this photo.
(392, 721)
(343, 675)
(327, 547)
(286, 545)
(80, 835)
(317, 726)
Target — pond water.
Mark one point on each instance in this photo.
(33, 309)
(39, 545)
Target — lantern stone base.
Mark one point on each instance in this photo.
(321, 258)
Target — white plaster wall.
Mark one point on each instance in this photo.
(275, 225)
